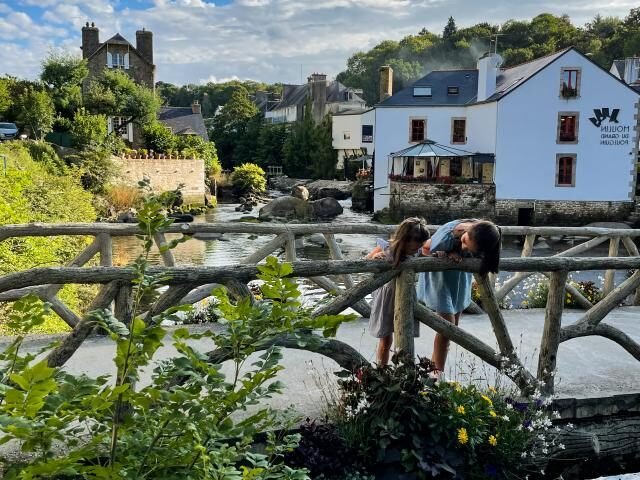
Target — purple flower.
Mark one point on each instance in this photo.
(526, 423)
(491, 470)
(522, 407)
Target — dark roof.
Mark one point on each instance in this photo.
(298, 94)
(439, 80)
(467, 81)
(183, 121)
(118, 39)
(352, 111)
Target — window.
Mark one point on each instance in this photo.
(118, 60)
(418, 129)
(367, 133)
(455, 167)
(120, 126)
(565, 170)
(421, 91)
(458, 130)
(567, 127)
(346, 135)
(453, 90)
(570, 82)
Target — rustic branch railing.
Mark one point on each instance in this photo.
(191, 284)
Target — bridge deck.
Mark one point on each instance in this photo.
(587, 367)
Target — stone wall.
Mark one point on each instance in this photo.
(566, 213)
(165, 175)
(439, 203)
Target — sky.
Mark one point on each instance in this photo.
(197, 41)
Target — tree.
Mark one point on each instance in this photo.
(5, 97)
(271, 144)
(114, 93)
(36, 112)
(450, 29)
(248, 178)
(230, 126)
(88, 130)
(159, 138)
(324, 156)
(298, 149)
(63, 75)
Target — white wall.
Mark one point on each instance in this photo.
(527, 130)
(283, 115)
(352, 125)
(392, 134)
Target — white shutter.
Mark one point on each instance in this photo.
(126, 61)
(109, 60)
(130, 132)
(109, 124)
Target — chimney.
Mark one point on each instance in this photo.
(386, 82)
(90, 40)
(318, 83)
(196, 108)
(144, 44)
(487, 75)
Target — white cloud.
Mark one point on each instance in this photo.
(268, 40)
(214, 79)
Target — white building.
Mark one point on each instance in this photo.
(352, 133)
(548, 141)
(325, 97)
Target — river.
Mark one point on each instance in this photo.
(231, 248)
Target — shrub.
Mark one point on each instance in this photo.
(398, 419)
(537, 296)
(248, 177)
(159, 138)
(44, 153)
(88, 131)
(194, 146)
(123, 197)
(95, 167)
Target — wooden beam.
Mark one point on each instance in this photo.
(632, 250)
(165, 252)
(403, 318)
(106, 250)
(609, 276)
(551, 331)
(491, 306)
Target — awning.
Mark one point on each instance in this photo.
(429, 148)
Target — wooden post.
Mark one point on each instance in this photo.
(336, 254)
(632, 250)
(124, 304)
(106, 250)
(609, 276)
(290, 247)
(403, 318)
(167, 255)
(551, 332)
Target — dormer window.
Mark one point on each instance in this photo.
(453, 90)
(421, 91)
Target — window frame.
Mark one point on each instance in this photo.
(451, 88)
(425, 88)
(453, 122)
(366, 138)
(574, 161)
(576, 128)
(424, 130)
(578, 71)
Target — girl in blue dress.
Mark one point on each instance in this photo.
(448, 293)
(406, 242)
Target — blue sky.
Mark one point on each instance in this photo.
(196, 41)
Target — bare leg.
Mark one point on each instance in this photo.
(383, 349)
(441, 343)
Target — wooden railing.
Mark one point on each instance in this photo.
(191, 284)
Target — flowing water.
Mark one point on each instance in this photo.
(231, 248)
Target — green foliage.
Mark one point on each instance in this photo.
(248, 177)
(538, 294)
(63, 74)
(88, 131)
(32, 192)
(114, 93)
(159, 138)
(190, 421)
(399, 414)
(36, 112)
(95, 167)
(325, 157)
(5, 97)
(450, 29)
(195, 146)
(44, 153)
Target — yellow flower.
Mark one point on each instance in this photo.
(460, 410)
(493, 440)
(493, 390)
(487, 399)
(463, 437)
(492, 413)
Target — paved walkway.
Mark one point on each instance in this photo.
(587, 367)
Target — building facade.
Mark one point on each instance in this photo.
(353, 135)
(549, 141)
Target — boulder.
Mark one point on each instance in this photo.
(284, 183)
(326, 208)
(301, 192)
(130, 216)
(287, 208)
(340, 190)
(317, 239)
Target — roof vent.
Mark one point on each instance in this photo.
(453, 90)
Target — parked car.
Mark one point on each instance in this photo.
(8, 131)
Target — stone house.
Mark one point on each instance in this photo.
(553, 140)
(184, 120)
(326, 97)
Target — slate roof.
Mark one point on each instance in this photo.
(183, 121)
(118, 39)
(619, 66)
(299, 93)
(467, 81)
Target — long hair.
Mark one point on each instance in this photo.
(411, 229)
(488, 238)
